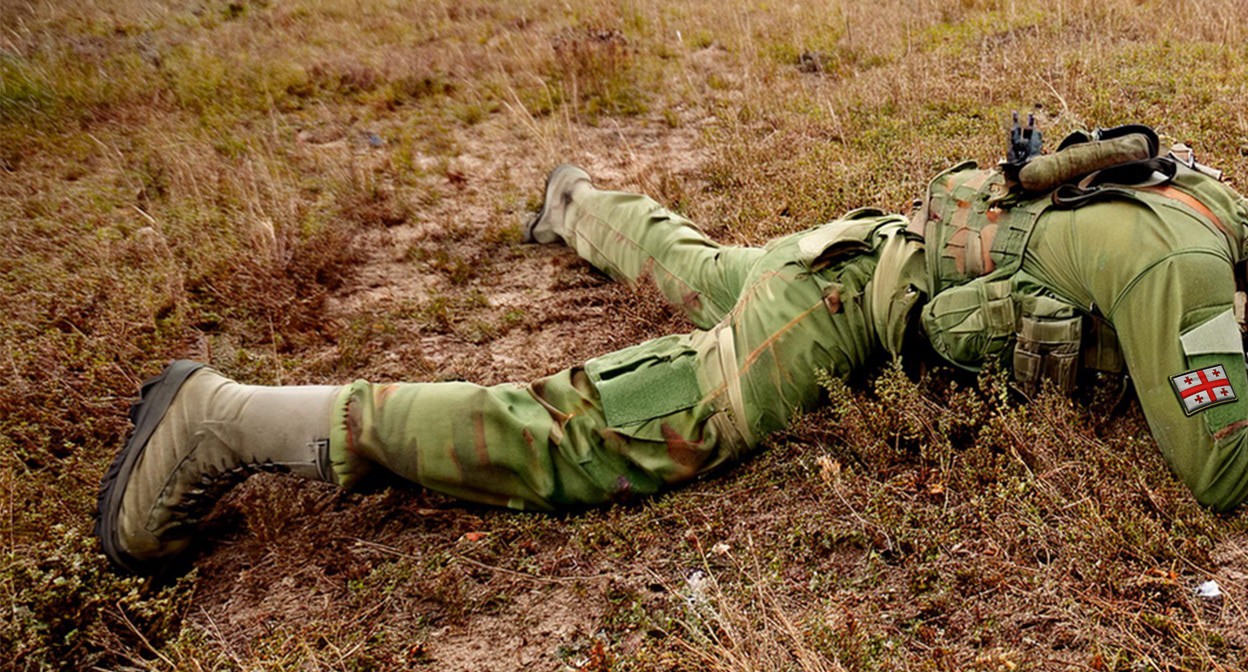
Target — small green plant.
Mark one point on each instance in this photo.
(60, 584)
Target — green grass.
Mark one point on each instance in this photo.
(311, 192)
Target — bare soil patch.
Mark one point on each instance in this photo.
(289, 551)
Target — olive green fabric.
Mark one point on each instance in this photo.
(659, 413)
(1156, 274)
(1047, 172)
(1152, 263)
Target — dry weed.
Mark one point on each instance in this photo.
(305, 191)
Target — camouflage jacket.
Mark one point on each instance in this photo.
(1140, 276)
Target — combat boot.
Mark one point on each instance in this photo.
(196, 434)
(550, 225)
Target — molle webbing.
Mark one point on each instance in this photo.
(972, 226)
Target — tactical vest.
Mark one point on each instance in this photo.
(976, 230)
(971, 227)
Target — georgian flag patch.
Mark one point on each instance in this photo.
(1203, 388)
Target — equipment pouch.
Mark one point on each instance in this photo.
(971, 323)
(646, 381)
(1049, 335)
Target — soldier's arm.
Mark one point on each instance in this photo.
(1179, 338)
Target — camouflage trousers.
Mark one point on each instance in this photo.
(656, 414)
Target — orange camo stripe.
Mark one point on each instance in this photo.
(955, 248)
(630, 241)
(1169, 191)
(766, 344)
(986, 236)
(1229, 429)
(751, 358)
(976, 180)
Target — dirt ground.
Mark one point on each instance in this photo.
(315, 191)
(254, 579)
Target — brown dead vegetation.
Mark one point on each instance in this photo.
(310, 192)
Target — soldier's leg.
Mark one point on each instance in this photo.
(195, 434)
(627, 423)
(633, 239)
(542, 446)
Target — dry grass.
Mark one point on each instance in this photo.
(309, 191)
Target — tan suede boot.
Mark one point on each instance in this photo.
(197, 434)
(549, 226)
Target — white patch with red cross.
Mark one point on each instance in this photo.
(1203, 388)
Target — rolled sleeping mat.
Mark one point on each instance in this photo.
(1045, 173)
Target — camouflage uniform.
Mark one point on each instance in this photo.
(1090, 275)
(659, 413)
(1152, 268)
(1141, 274)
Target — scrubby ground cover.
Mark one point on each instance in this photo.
(307, 191)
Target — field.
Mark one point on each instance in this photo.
(314, 191)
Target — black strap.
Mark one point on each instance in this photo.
(1116, 180)
(1157, 170)
(1080, 137)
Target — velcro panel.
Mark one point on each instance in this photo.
(646, 381)
(1218, 335)
(656, 389)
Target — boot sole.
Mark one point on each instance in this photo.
(155, 397)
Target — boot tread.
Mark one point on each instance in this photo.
(156, 394)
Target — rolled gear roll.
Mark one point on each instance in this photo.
(1045, 173)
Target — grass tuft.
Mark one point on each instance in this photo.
(313, 192)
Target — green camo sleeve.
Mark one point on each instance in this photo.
(1184, 351)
